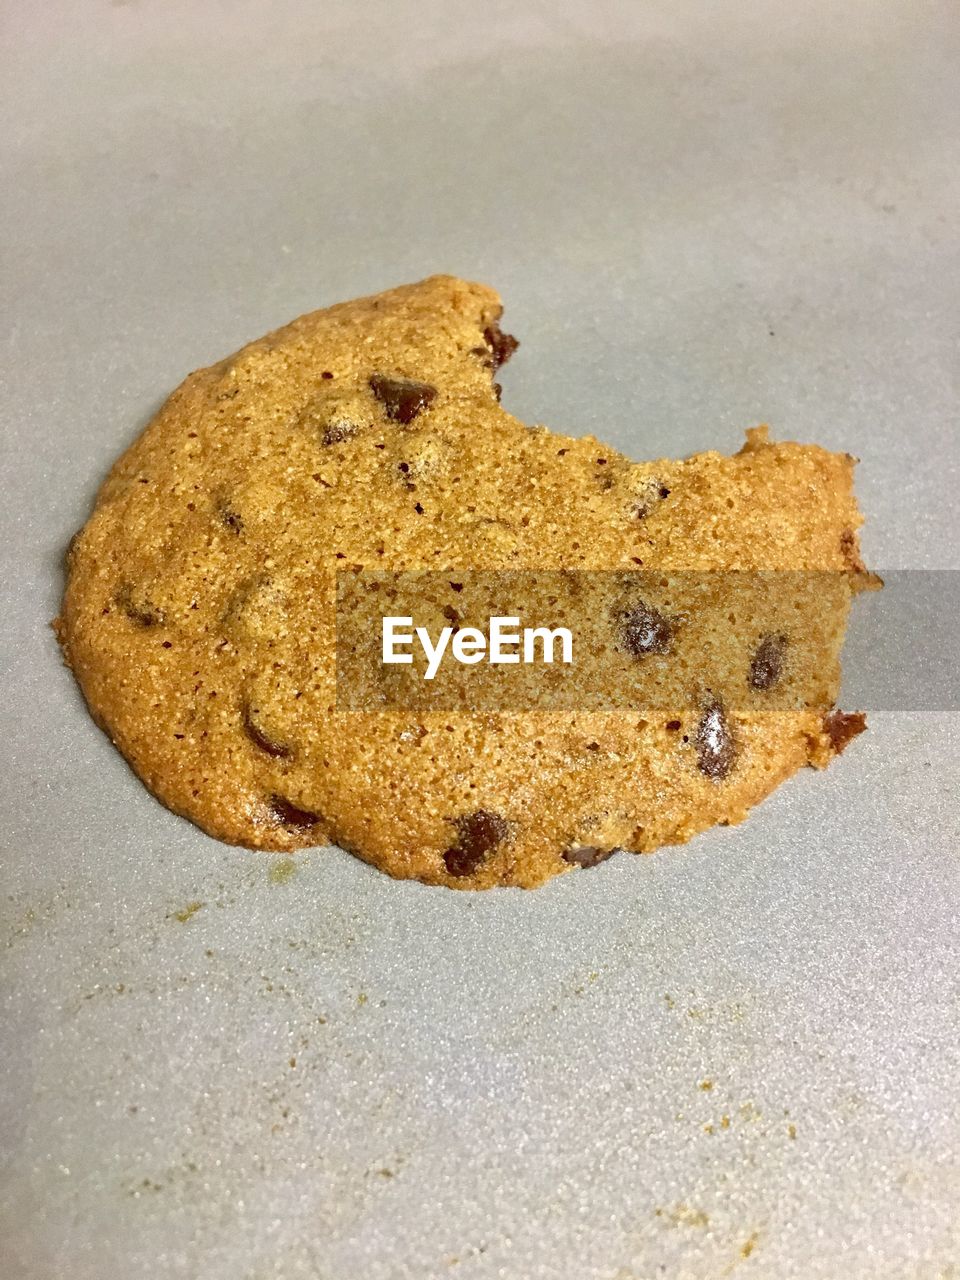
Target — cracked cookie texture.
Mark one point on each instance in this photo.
(200, 609)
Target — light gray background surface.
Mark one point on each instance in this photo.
(701, 215)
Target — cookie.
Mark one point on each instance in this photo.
(366, 442)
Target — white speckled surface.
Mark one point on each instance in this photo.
(701, 216)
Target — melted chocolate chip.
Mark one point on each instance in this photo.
(477, 834)
(338, 431)
(644, 630)
(145, 617)
(716, 748)
(256, 735)
(283, 810)
(141, 612)
(842, 727)
(502, 345)
(588, 855)
(674, 726)
(402, 398)
(766, 668)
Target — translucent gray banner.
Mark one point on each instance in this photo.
(519, 640)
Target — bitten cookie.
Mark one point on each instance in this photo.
(200, 608)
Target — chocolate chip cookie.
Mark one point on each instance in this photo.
(200, 613)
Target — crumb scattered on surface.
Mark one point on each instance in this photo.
(188, 912)
(282, 870)
(683, 1215)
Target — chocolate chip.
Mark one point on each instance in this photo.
(716, 748)
(283, 810)
(502, 345)
(842, 727)
(403, 398)
(259, 738)
(674, 726)
(498, 391)
(141, 612)
(477, 834)
(326, 375)
(338, 431)
(766, 668)
(644, 630)
(588, 855)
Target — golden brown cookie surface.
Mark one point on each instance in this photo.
(199, 615)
